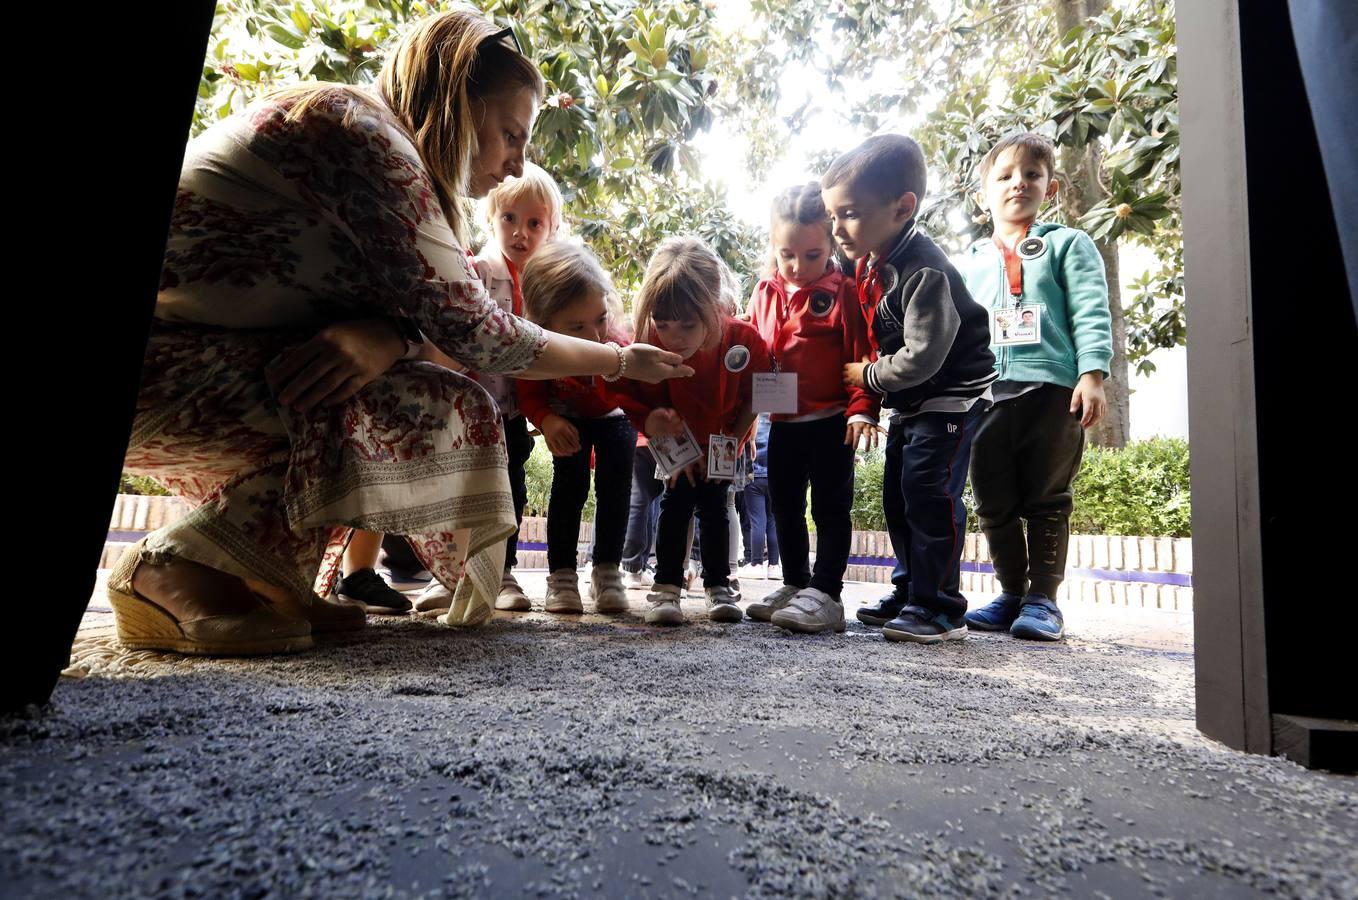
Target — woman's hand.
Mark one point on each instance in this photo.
(562, 437)
(651, 364)
(336, 364)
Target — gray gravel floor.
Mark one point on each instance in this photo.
(546, 756)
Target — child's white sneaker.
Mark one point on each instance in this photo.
(721, 605)
(435, 598)
(664, 606)
(810, 612)
(762, 610)
(511, 595)
(563, 592)
(773, 571)
(638, 580)
(606, 590)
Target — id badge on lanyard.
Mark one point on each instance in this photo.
(1018, 323)
(776, 391)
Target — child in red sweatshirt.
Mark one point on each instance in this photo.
(566, 290)
(683, 306)
(808, 313)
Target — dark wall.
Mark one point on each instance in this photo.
(1304, 342)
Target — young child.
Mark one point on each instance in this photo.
(684, 306)
(807, 311)
(523, 213)
(1029, 445)
(934, 372)
(566, 290)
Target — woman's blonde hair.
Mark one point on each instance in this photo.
(685, 281)
(560, 273)
(533, 184)
(436, 80)
(800, 205)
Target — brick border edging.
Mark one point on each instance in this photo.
(1150, 572)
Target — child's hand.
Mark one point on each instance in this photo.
(1089, 397)
(562, 438)
(663, 423)
(853, 373)
(865, 432)
(694, 472)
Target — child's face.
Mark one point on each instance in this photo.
(802, 251)
(683, 336)
(521, 227)
(1016, 187)
(1027, 318)
(586, 318)
(864, 223)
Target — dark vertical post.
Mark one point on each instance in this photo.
(1271, 339)
(111, 163)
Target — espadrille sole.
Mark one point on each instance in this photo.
(144, 626)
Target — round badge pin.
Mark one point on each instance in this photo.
(1032, 247)
(890, 277)
(821, 303)
(737, 358)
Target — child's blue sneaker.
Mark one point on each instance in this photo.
(1039, 620)
(997, 615)
(881, 612)
(924, 626)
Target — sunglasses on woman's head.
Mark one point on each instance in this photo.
(501, 35)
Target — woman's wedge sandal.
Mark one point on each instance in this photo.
(143, 625)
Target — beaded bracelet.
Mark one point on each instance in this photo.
(622, 362)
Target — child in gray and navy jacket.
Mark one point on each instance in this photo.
(1053, 339)
(934, 371)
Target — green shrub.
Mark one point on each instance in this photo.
(140, 484)
(538, 473)
(1140, 489)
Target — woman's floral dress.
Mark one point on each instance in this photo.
(279, 228)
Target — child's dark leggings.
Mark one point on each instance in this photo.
(1025, 458)
(613, 440)
(676, 509)
(814, 453)
(519, 446)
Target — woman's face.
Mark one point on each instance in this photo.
(502, 138)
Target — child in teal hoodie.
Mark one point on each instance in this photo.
(1052, 336)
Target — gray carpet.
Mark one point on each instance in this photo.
(548, 757)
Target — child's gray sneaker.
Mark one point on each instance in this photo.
(721, 605)
(563, 592)
(664, 606)
(762, 610)
(511, 596)
(811, 611)
(605, 588)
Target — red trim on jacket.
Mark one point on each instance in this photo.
(816, 345)
(713, 398)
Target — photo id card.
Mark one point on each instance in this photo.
(775, 392)
(1015, 325)
(721, 458)
(672, 454)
